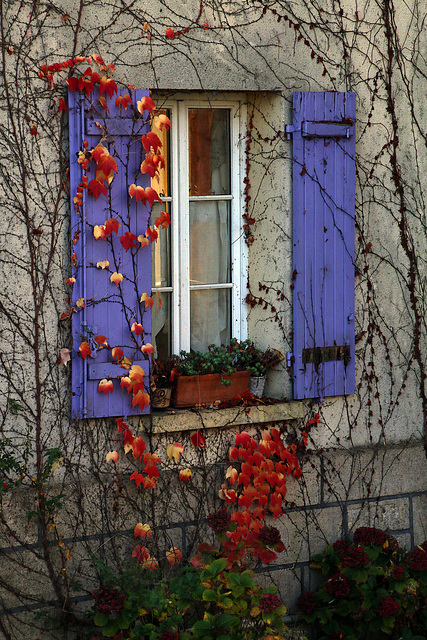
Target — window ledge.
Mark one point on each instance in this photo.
(186, 420)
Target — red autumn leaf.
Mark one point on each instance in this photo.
(33, 130)
(96, 188)
(173, 556)
(163, 221)
(138, 447)
(123, 101)
(162, 121)
(85, 350)
(198, 439)
(105, 386)
(106, 164)
(112, 455)
(147, 348)
(142, 530)
(117, 353)
(147, 300)
(103, 102)
(70, 281)
(137, 328)
(142, 399)
(121, 424)
(138, 477)
(146, 104)
(108, 85)
(170, 33)
(128, 240)
(62, 105)
(101, 341)
(152, 234)
(185, 475)
(149, 140)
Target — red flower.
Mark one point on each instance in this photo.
(169, 635)
(354, 557)
(307, 602)
(398, 573)
(269, 536)
(219, 521)
(108, 599)
(269, 602)
(369, 535)
(388, 607)
(338, 585)
(340, 546)
(417, 560)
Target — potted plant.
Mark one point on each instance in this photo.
(204, 378)
(163, 373)
(258, 362)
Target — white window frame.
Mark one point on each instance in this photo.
(180, 201)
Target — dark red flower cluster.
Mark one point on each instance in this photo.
(108, 599)
(269, 602)
(169, 635)
(388, 607)
(340, 546)
(307, 602)
(338, 585)
(398, 573)
(417, 560)
(219, 520)
(369, 535)
(354, 557)
(269, 536)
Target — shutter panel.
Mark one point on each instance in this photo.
(110, 309)
(323, 243)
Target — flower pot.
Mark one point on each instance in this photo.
(161, 398)
(256, 386)
(206, 389)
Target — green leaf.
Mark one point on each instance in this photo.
(217, 566)
(203, 626)
(100, 619)
(209, 595)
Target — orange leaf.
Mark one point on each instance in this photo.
(112, 455)
(147, 348)
(173, 556)
(152, 234)
(142, 399)
(143, 240)
(103, 102)
(147, 300)
(108, 85)
(102, 265)
(106, 386)
(146, 104)
(185, 475)
(101, 341)
(138, 447)
(142, 530)
(85, 350)
(174, 451)
(149, 140)
(70, 281)
(117, 353)
(99, 232)
(162, 121)
(116, 278)
(123, 101)
(137, 328)
(80, 303)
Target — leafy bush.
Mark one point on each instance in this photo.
(373, 589)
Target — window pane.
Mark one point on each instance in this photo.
(209, 151)
(209, 318)
(161, 321)
(210, 246)
(162, 182)
(160, 249)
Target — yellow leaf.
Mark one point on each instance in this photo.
(255, 611)
(68, 554)
(60, 543)
(80, 303)
(102, 264)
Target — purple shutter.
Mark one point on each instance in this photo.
(110, 309)
(323, 243)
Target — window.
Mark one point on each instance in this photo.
(198, 263)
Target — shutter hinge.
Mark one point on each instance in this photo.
(289, 128)
(289, 359)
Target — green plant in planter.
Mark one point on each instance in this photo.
(373, 589)
(255, 360)
(218, 359)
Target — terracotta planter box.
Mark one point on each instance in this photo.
(191, 390)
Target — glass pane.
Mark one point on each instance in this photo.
(209, 151)
(160, 249)
(161, 325)
(209, 318)
(210, 246)
(162, 182)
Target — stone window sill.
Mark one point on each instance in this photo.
(186, 420)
